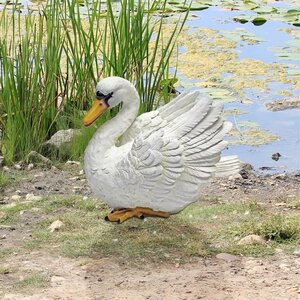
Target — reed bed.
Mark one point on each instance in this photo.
(50, 61)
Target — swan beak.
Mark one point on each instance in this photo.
(98, 108)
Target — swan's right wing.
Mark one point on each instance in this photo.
(175, 153)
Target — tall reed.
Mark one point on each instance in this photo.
(51, 60)
(30, 55)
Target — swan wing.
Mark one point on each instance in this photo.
(174, 153)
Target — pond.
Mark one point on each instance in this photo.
(269, 42)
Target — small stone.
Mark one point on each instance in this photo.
(15, 197)
(56, 225)
(30, 167)
(73, 162)
(57, 279)
(251, 239)
(3, 237)
(227, 257)
(297, 252)
(5, 168)
(32, 197)
(3, 215)
(284, 266)
(280, 204)
(276, 156)
(280, 176)
(81, 172)
(17, 167)
(235, 177)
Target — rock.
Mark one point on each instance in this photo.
(293, 102)
(32, 197)
(81, 172)
(60, 143)
(30, 166)
(235, 177)
(15, 197)
(36, 158)
(251, 239)
(276, 156)
(3, 215)
(227, 257)
(280, 204)
(246, 167)
(297, 252)
(56, 225)
(5, 168)
(281, 176)
(73, 162)
(18, 167)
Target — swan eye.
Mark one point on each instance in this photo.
(99, 95)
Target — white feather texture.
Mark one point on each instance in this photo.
(164, 157)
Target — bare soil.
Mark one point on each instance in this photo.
(216, 277)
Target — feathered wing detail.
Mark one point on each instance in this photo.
(228, 166)
(175, 150)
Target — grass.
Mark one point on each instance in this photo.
(4, 180)
(197, 231)
(200, 230)
(33, 281)
(50, 62)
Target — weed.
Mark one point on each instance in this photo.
(34, 280)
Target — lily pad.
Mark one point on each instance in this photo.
(258, 21)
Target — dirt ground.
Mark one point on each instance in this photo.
(221, 276)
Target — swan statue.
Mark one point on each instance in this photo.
(157, 163)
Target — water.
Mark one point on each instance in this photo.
(285, 124)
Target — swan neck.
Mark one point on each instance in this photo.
(109, 133)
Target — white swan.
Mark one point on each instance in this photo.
(157, 163)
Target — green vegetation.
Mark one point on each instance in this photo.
(3, 179)
(51, 61)
(34, 280)
(199, 230)
(4, 270)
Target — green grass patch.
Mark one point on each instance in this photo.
(5, 252)
(33, 281)
(4, 179)
(196, 231)
(4, 270)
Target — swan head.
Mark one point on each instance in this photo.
(110, 92)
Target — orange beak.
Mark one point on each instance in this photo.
(98, 108)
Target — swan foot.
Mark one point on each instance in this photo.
(124, 214)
